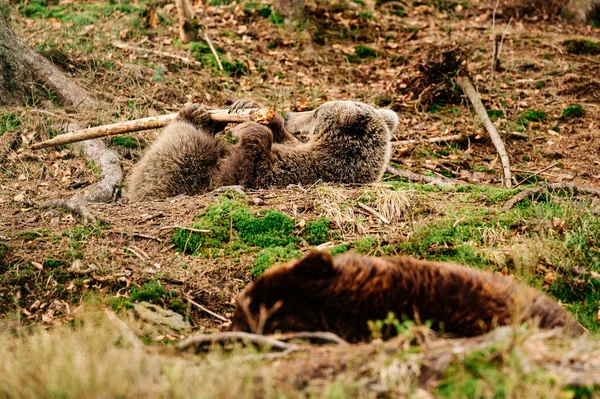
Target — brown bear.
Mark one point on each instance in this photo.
(348, 142)
(187, 157)
(320, 293)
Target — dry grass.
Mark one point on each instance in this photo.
(339, 205)
(91, 360)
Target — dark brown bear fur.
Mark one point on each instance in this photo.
(348, 142)
(319, 293)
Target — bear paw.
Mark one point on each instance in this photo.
(195, 114)
(241, 105)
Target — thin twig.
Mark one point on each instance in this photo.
(374, 212)
(124, 329)
(442, 139)
(185, 60)
(212, 49)
(465, 84)
(185, 228)
(535, 174)
(494, 55)
(199, 341)
(210, 312)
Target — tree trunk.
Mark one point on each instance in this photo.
(20, 66)
(290, 9)
(188, 25)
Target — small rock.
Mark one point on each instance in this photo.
(258, 201)
(163, 321)
(19, 198)
(76, 265)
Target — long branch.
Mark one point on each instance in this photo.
(260, 115)
(466, 86)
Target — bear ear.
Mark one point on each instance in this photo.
(390, 118)
(315, 265)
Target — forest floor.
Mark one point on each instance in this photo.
(57, 273)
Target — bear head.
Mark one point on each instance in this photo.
(351, 116)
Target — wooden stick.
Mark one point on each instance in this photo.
(260, 115)
(465, 84)
(416, 177)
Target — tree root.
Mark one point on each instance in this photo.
(202, 342)
(549, 188)
(105, 190)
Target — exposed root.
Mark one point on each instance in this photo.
(320, 337)
(549, 188)
(201, 342)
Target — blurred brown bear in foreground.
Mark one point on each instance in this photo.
(320, 293)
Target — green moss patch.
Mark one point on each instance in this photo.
(582, 46)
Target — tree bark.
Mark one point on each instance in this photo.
(20, 66)
(188, 25)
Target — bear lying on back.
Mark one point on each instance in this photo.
(349, 142)
(319, 293)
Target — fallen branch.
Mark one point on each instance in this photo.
(77, 208)
(550, 187)
(201, 341)
(210, 312)
(418, 178)
(261, 115)
(183, 59)
(465, 84)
